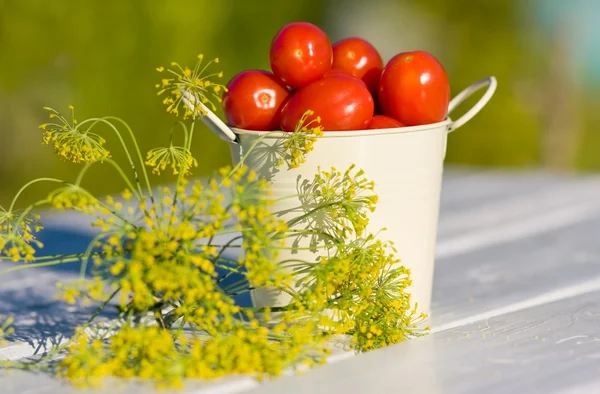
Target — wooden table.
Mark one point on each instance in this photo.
(516, 301)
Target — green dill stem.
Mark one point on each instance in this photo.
(137, 148)
(225, 260)
(188, 140)
(187, 144)
(227, 245)
(14, 200)
(281, 248)
(288, 291)
(227, 275)
(119, 170)
(231, 272)
(241, 291)
(117, 214)
(112, 126)
(241, 288)
(133, 167)
(203, 69)
(54, 257)
(116, 165)
(88, 251)
(185, 133)
(232, 231)
(229, 268)
(61, 260)
(26, 211)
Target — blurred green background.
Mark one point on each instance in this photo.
(101, 57)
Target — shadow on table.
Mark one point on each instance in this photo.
(41, 322)
(40, 319)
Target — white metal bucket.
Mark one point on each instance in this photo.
(406, 165)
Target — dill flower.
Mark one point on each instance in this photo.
(82, 290)
(149, 352)
(195, 83)
(78, 146)
(17, 236)
(338, 202)
(73, 197)
(259, 227)
(364, 288)
(160, 259)
(301, 142)
(163, 266)
(140, 352)
(177, 157)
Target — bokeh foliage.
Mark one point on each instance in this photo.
(101, 56)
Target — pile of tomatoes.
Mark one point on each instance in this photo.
(346, 84)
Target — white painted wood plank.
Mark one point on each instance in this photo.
(552, 348)
(465, 285)
(464, 189)
(22, 382)
(500, 275)
(474, 294)
(524, 202)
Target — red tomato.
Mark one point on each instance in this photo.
(342, 103)
(254, 99)
(337, 73)
(359, 58)
(414, 89)
(383, 122)
(300, 54)
(342, 74)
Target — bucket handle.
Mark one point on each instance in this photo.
(462, 96)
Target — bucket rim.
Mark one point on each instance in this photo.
(352, 133)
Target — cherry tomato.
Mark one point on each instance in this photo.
(254, 99)
(337, 73)
(414, 89)
(300, 54)
(342, 74)
(341, 102)
(359, 58)
(383, 122)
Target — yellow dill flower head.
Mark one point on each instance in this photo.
(298, 144)
(346, 197)
(168, 264)
(84, 291)
(196, 82)
(133, 351)
(73, 197)
(17, 236)
(365, 291)
(16, 248)
(178, 158)
(70, 142)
